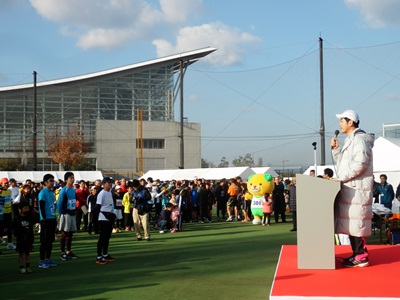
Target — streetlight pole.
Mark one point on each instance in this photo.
(322, 127)
(315, 157)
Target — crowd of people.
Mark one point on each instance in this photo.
(60, 208)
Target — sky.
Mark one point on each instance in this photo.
(258, 93)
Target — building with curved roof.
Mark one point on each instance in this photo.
(125, 114)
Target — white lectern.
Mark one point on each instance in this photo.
(315, 222)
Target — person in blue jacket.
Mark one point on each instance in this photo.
(386, 192)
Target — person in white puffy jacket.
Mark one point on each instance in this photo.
(354, 169)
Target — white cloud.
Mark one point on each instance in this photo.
(378, 13)
(231, 43)
(101, 23)
(97, 13)
(179, 11)
(109, 24)
(104, 38)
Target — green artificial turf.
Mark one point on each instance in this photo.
(219, 260)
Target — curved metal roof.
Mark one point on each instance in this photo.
(189, 58)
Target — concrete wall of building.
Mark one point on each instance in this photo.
(116, 145)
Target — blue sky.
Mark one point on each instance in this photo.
(258, 93)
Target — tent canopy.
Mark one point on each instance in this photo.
(265, 170)
(387, 159)
(37, 176)
(386, 155)
(206, 173)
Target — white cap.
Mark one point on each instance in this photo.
(117, 187)
(350, 114)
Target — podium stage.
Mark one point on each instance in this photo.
(380, 280)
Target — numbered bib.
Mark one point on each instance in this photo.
(53, 210)
(71, 204)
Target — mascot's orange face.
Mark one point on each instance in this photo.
(260, 184)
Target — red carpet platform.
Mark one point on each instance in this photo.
(380, 280)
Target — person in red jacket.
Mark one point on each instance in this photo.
(124, 185)
(82, 193)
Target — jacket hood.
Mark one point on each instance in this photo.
(369, 137)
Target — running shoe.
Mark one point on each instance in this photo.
(52, 263)
(109, 258)
(11, 246)
(71, 255)
(346, 260)
(101, 261)
(43, 264)
(355, 263)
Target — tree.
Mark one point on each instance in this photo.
(23, 153)
(84, 165)
(224, 163)
(260, 162)
(207, 164)
(246, 161)
(68, 149)
(8, 165)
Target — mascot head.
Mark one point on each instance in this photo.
(260, 184)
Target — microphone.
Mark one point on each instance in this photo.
(336, 135)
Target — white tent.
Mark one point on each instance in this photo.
(387, 159)
(265, 170)
(37, 176)
(206, 173)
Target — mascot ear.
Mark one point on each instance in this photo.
(248, 179)
(268, 177)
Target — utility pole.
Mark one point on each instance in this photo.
(182, 147)
(321, 84)
(34, 139)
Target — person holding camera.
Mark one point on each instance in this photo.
(141, 210)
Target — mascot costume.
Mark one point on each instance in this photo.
(258, 185)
